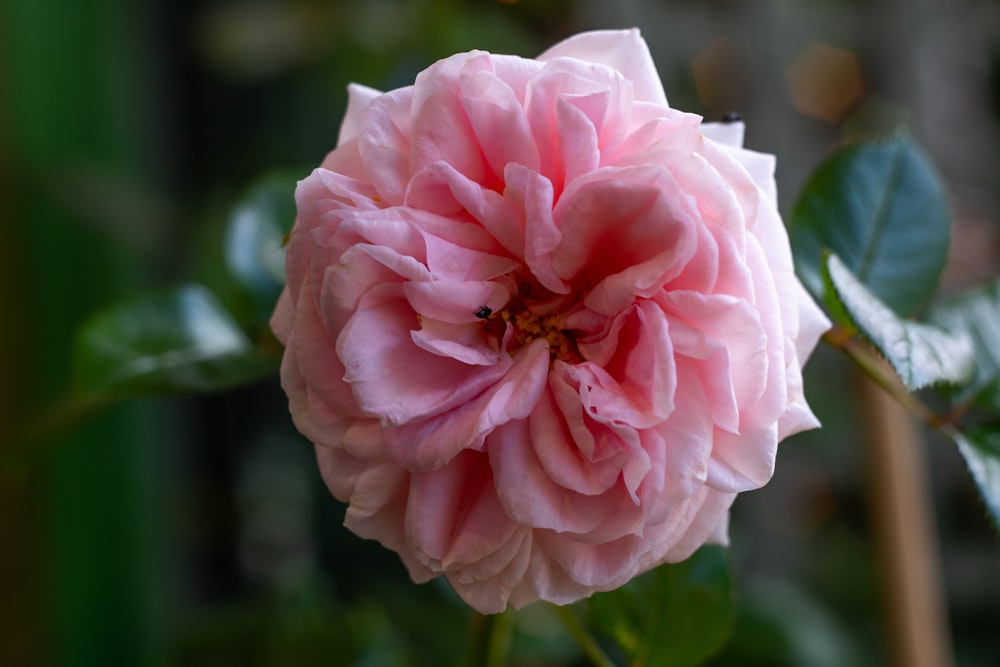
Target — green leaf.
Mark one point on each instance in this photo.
(882, 209)
(255, 235)
(673, 616)
(977, 314)
(980, 446)
(179, 340)
(921, 354)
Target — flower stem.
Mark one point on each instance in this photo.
(44, 429)
(865, 358)
(491, 635)
(587, 643)
(498, 642)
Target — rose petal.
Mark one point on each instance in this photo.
(622, 50)
(453, 515)
(456, 302)
(432, 442)
(384, 144)
(394, 380)
(358, 99)
(498, 120)
(728, 133)
(516, 466)
(742, 462)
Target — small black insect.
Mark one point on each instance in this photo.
(732, 117)
(483, 312)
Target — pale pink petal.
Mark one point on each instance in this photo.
(282, 319)
(432, 442)
(516, 466)
(439, 126)
(453, 515)
(643, 363)
(384, 144)
(468, 343)
(460, 262)
(456, 302)
(531, 193)
(377, 495)
(622, 50)
(567, 444)
(394, 380)
(579, 148)
(439, 188)
(774, 399)
(743, 462)
(813, 323)
(499, 121)
(687, 437)
(623, 233)
(489, 589)
(733, 324)
(760, 167)
(358, 99)
(728, 133)
(708, 522)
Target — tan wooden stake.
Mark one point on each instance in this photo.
(904, 527)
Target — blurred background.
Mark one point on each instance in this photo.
(196, 531)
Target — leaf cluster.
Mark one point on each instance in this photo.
(870, 234)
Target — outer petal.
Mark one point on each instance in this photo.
(623, 50)
(358, 99)
(730, 134)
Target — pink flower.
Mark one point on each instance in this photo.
(541, 327)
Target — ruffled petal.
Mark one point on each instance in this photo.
(395, 381)
(622, 50)
(358, 99)
(432, 442)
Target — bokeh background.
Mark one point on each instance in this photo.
(195, 530)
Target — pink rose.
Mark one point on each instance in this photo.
(541, 327)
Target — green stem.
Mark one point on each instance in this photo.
(491, 635)
(498, 646)
(44, 428)
(590, 647)
(865, 358)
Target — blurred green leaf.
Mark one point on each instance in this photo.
(782, 624)
(977, 314)
(921, 354)
(174, 341)
(882, 209)
(255, 236)
(980, 446)
(676, 615)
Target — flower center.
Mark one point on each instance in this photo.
(535, 312)
(528, 326)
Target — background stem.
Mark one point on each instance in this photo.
(907, 540)
(590, 647)
(498, 642)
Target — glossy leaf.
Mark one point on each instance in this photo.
(179, 340)
(883, 211)
(980, 447)
(255, 235)
(977, 314)
(921, 354)
(673, 616)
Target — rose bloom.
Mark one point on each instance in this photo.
(541, 327)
